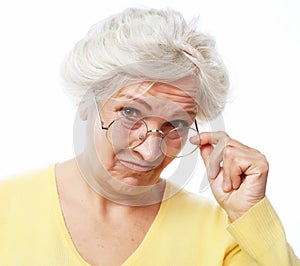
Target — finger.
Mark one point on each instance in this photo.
(217, 141)
(205, 151)
(232, 179)
(236, 180)
(235, 164)
(220, 141)
(215, 160)
(212, 137)
(195, 140)
(215, 137)
(227, 184)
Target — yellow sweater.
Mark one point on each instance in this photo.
(188, 231)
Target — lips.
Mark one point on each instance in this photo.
(137, 167)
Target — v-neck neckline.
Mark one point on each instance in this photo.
(67, 237)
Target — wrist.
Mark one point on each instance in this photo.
(233, 215)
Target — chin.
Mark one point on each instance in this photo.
(132, 179)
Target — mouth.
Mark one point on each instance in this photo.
(137, 167)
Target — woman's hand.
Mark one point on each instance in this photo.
(236, 172)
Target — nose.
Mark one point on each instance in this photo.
(150, 149)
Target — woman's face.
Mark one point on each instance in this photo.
(161, 107)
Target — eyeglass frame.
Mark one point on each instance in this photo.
(163, 135)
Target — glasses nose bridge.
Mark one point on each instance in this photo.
(153, 125)
(155, 131)
(149, 131)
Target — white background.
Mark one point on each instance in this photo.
(259, 41)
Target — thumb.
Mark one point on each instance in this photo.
(205, 151)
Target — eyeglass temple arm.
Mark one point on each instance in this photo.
(196, 126)
(99, 116)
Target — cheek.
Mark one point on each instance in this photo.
(104, 152)
(163, 165)
(166, 162)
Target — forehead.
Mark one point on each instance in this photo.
(159, 95)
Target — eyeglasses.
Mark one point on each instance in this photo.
(128, 132)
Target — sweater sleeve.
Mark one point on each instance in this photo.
(261, 238)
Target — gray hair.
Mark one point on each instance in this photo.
(147, 44)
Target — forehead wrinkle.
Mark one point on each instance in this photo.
(182, 100)
(136, 99)
(184, 113)
(172, 89)
(163, 93)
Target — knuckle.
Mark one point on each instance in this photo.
(221, 135)
(264, 163)
(228, 152)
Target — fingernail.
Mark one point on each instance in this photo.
(208, 172)
(227, 186)
(195, 140)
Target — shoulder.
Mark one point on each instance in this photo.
(26, 182)
(23, 195)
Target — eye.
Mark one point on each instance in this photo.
(130, 112)
(174, 124)
(180, 123)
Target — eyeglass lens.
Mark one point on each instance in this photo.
(126, 133)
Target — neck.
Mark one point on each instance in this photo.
(75, 188)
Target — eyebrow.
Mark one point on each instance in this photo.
(130, 97)
(185, 112)
(141, 101)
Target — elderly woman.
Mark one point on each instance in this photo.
(145, 82)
